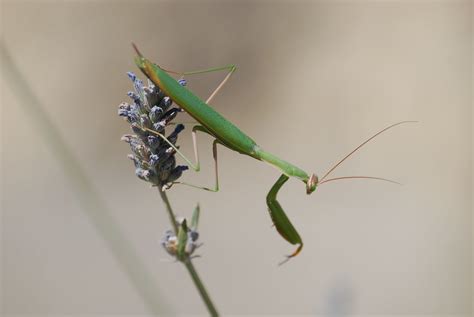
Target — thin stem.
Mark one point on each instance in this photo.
(200, 286)
(169, 210)
(187, 261)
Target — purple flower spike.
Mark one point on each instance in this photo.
(149, 115)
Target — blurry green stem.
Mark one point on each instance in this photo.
(187, 262)
(81, 185)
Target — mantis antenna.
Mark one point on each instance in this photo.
(366, 177)
(322, 180)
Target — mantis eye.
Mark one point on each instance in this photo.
(182, 82)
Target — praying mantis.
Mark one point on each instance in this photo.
(228, 135)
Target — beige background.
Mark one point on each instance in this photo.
(314, 80)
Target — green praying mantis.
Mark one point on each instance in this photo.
(227, 134)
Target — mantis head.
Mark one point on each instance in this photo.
(311, 184)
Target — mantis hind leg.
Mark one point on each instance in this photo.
(283, 225)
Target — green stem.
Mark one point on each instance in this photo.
(169, 210)
(187, 261)
(202, 290)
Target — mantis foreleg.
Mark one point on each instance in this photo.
(283, 225)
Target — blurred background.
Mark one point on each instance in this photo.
(80, 233)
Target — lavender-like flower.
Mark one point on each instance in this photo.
(153, 157)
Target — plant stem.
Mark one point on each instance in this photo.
(202, 290)
(187, 261)
(169, 210)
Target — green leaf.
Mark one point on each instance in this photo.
(182, 240)
(195, 217)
